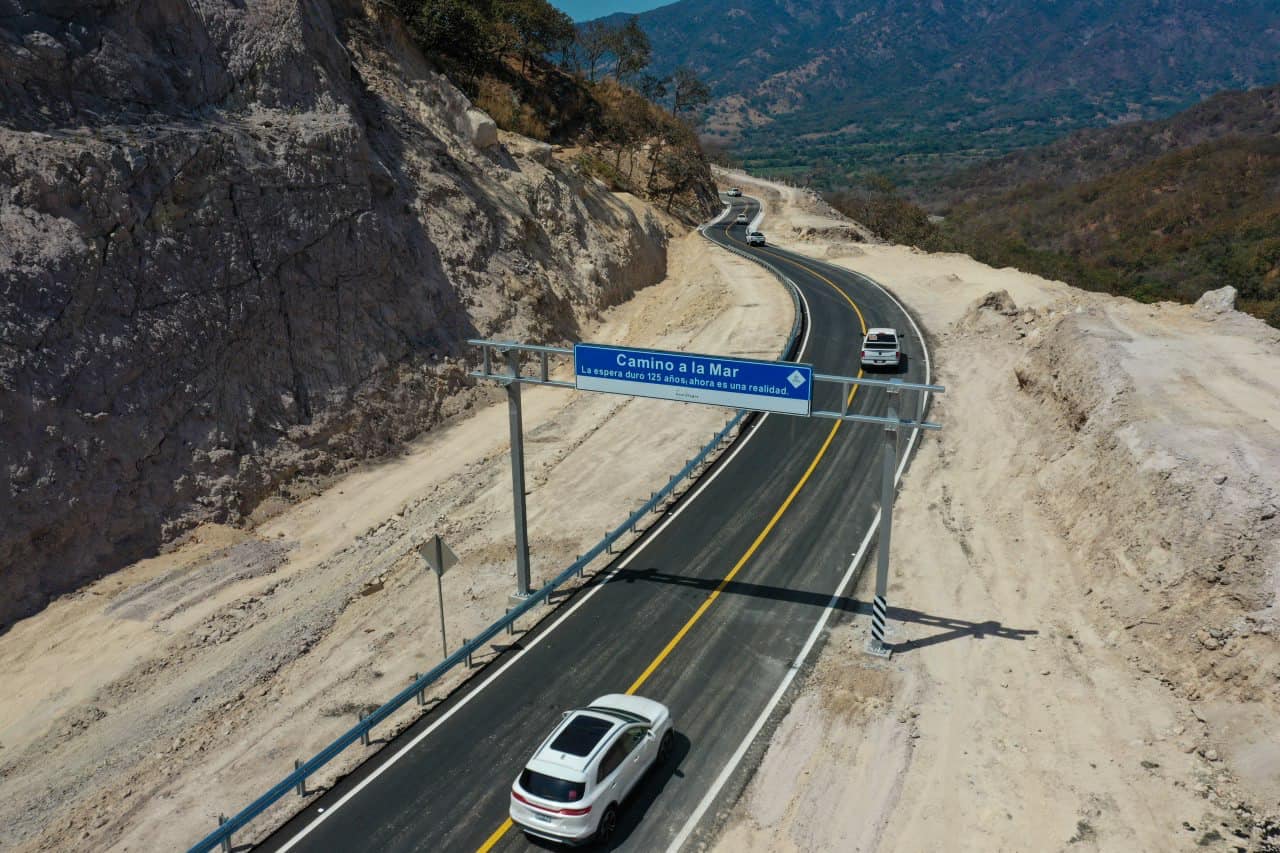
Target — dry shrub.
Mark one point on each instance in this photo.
(503, 105)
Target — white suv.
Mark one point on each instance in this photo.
(755, 238)
(572, 787)
(881, 348)
(734, 192)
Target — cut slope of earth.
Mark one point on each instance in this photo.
(242, 245)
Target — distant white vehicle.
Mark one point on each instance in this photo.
(734, 191)
(742, 219)
(755, 238)
(571, 789)
(881, 348)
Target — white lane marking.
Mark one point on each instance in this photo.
(734, 760)
(684, 504)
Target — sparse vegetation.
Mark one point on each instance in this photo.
(888, 215)
(1153, 210)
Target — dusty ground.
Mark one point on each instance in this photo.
(185, 685)
(1085, 604)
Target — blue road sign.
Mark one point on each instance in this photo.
(739, 383)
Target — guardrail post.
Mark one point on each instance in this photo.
(422, 691)
(464, 642)
(364, 735)
(608, 546)
(302, 783)
(226, 841)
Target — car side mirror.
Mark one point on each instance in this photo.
(648, 734)
(564, 715)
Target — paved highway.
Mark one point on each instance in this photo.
(706, 613)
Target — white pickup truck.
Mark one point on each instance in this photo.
(755, 238)
(881, 348)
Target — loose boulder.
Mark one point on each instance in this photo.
(1216, 302)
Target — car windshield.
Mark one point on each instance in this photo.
(551, 788)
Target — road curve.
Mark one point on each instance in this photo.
(780, 516)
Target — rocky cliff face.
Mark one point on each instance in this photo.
(243, 242)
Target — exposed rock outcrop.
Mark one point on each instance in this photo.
(244, 243)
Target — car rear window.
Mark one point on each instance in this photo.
(551, 788)
(882, 337)
(879, 345)
(581, 735)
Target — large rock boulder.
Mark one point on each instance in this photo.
(1215, 303)
(480, 129)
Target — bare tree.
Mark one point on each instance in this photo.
(594, 41)
(688, 91)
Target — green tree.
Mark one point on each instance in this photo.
(455, 28)
(538, 27)
(630, 47)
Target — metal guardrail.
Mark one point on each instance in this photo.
(296, 780)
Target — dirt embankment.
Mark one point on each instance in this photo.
(141, 706)
(243, 245)
(1086, 567)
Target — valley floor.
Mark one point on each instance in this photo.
(1085, 570)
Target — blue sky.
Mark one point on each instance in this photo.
(585, 10)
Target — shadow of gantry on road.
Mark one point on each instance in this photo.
(952, 628)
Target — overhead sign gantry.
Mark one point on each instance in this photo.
(765, 386)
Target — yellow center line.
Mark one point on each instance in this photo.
(495, 838)
(742, 561)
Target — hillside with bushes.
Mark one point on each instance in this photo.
(1151, 210)
(588, 90)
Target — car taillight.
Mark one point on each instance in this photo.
(552, 809)
(864, 354)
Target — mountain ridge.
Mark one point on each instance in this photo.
(897, 83)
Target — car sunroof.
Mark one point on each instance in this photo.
(581, 735)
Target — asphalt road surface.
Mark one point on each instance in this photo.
(783, 512)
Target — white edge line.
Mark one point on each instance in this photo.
(705, 803)
(649, 537)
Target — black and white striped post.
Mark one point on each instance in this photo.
(879, 606)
